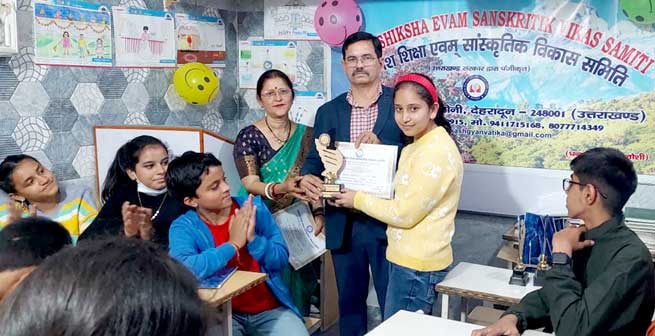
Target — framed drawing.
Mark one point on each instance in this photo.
(8, 27)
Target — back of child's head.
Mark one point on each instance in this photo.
(28, 241)
(7, 168)
(117, 287)
(184, 173)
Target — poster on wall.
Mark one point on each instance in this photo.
(258, 55)
(290, 19)
(305, 105)
(8, 27)
(72, 33)
(529, 85)
(200, 39)
(144, 38)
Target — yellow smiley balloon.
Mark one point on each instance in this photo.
(196, 83)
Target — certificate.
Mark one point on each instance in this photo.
(370, 168)
(296, 224)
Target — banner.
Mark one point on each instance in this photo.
(530, 83)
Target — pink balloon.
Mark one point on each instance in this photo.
(337, 19)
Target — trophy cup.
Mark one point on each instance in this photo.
(519, 275)
(542, 268)
(332, 161)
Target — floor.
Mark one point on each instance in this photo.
(477, 240)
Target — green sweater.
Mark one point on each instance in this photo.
(608, 290)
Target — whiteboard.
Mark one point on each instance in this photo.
(513, 191)
(108, 139)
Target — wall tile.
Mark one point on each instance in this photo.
(59, 148)
(24, 68)
(83, 128)
(30, 99)
(8, 82)
(157, 111)
(135, 97)
(112, 83)
(60, 115)
(112, 112)
(59, 82)
(8, 118)
(32, 134)
(87, 98)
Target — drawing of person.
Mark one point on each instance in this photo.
(145, 35)
(65, 43)
(6, 9)
(81, 43)
(100, 48)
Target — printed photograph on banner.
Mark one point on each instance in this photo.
(200, 39)
(529, 86)
(290, 19)
(144, 38)
(72, 33)
(303, 110)
(257, 56)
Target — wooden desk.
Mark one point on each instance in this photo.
(220, 298)
(406, 323)
(481, 282)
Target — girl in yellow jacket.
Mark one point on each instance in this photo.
(421, 216)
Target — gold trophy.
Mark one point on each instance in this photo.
(332, 161)
(542, 267)
(519, 275)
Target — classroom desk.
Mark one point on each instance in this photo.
(486, 283)
(415, 324)
(220, 298)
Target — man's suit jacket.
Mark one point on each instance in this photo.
(333, 118)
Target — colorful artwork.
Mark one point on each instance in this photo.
(303, 110)
(72, 33)
(257, 56)
(200, 39)
(144, 38)
(8, 24)
(290, 19)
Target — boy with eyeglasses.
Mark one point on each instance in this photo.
(602, 279)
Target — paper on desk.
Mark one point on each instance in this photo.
(296, 224)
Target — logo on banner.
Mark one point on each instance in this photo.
(475, 87)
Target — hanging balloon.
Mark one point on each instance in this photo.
(196, 83)
(336, 20)
(638, 11)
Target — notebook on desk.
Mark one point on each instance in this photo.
(217, 280)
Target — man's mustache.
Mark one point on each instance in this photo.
(359, 72)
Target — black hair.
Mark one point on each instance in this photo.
(7, 168)
(422, 92)
(117, 287)
(28, 241)
(126, 158)
(362, 36)
(184, 174)
(611, 172)
(270, 74)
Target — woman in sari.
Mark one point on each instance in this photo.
(268, 156)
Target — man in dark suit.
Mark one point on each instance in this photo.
(364, 114)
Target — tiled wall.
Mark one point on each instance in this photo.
(48, 111)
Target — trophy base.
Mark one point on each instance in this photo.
(540, 276)
(519, 278)
(331, 190)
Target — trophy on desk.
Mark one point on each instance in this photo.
(542, 268)
(332, 161)
(519, 275)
